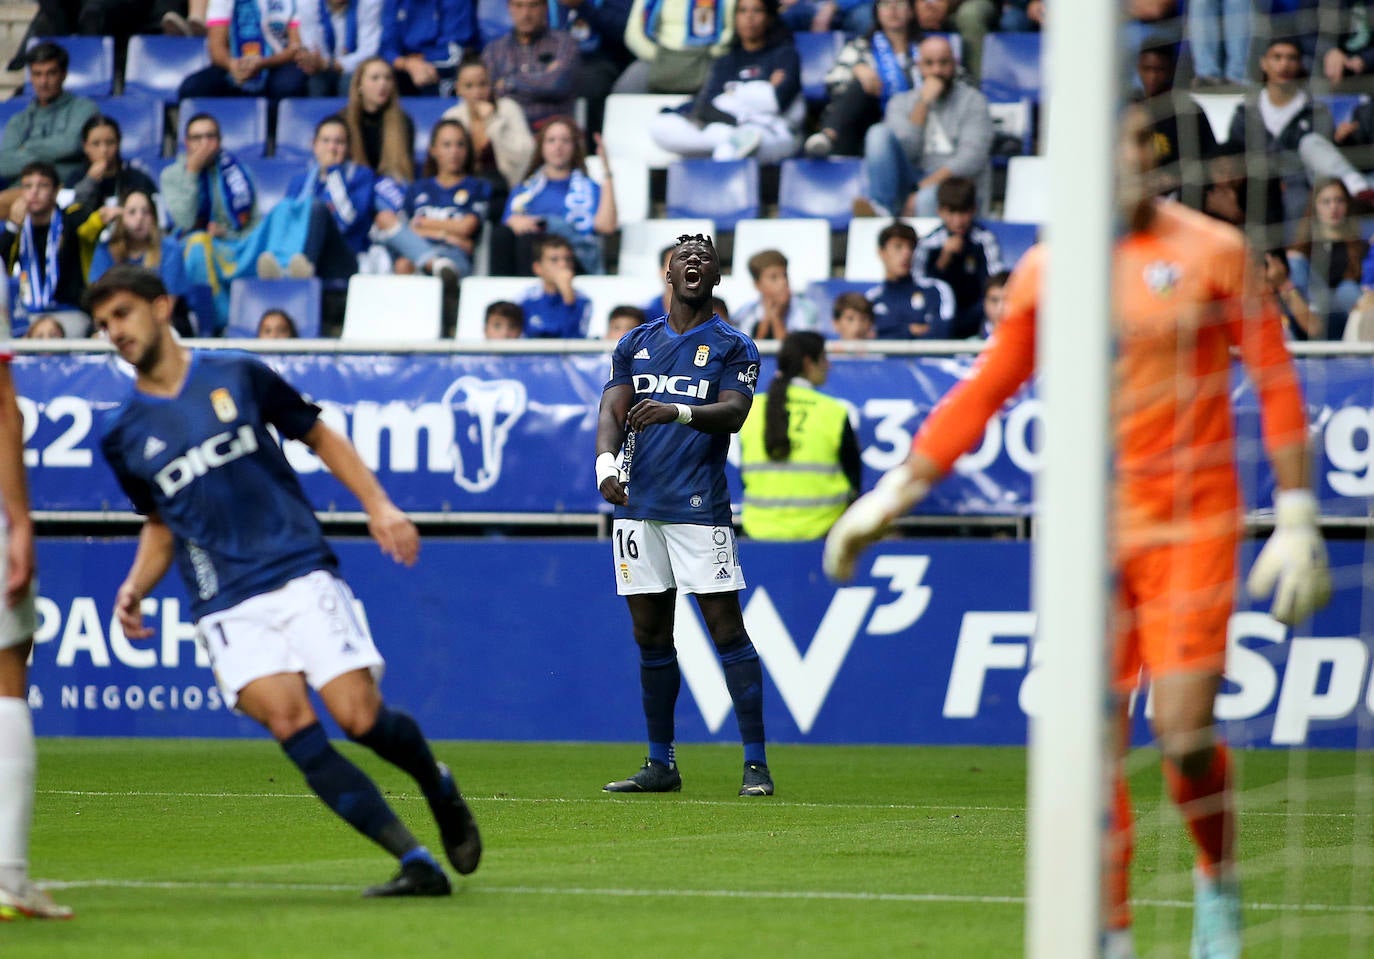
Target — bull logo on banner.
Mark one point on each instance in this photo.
(484, 411)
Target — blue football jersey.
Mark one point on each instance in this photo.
(678, 473)
(204, 462)
(430, 199)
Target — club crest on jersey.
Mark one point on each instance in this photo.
(703, 354)
(1162, 278)
(460, 197)
(918, 300)
(223, 405)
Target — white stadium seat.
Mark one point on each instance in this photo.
(479, 292)
(805, 243)
(385, 308)
(1028, 190)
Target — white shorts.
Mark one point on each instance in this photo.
(652, 557)
(19, 622)
(307, 626)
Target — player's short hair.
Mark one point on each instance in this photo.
(549, 241)
(897, 230)
(123, 278)
(42, 168)
(958, 194)
(701, 238)
(633, 312)
(763, 259)
(507, 310)
(851, 301)
(49, 52)
(998, 279)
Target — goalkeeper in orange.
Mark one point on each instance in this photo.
(1186, 294)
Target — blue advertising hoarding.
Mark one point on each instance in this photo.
(516, 434)
(526, 640)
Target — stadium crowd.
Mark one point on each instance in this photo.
(318, 139)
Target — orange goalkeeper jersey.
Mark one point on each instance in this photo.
(1185, 293)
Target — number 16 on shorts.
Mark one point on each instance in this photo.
(651, 557)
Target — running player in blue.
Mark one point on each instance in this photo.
(191, 448)
(682, 384)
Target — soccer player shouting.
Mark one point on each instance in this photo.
(682, 384)
(1186, 293)
(191, 448)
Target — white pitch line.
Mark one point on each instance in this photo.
(658, 893)
(677, 801)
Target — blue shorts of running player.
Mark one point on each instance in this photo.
(308, 626)
(653, 557)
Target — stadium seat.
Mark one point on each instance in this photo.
(1342, 105)
(425, 112)
(631, 186)
(727, 191)
(818, 52)
(91, 72)
(242, 122)
(861, 246)
(1012, 122)
(1011, 67)
(805, 243)
(393, 309)
(493, 19)
(608, 292)
(296, 120)
(271, 176)
(823, 293)
(1014, 238)
(737, 292)
(625, 130)
(249, 298)
(10, 107)
(1028, 190)
(479, 292)
(156, 65)
(642, 242)
(820, 188)
(140, 123)
(1219, 108)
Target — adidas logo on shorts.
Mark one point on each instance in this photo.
(722, 573)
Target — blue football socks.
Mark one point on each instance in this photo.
(744, 679)
(396, 737)
(660, 679)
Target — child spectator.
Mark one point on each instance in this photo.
(960, 251)
(504, 321)
(46, 328)
(277, 325)
(852, 316)
(776, 312)
(622, 320)
(41, 248)
(553, 308)
(905, 308)
(994, 301)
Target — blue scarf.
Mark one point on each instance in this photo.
(246, 38)
(572, 20)
(895, 79)
(350, 27)
(39, 292)
(234, 189)
(335, 190)
(705, 21)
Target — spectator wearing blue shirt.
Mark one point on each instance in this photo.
(557, 197)
(553, 309)
(447, 206)
(425, 39)
(131, 235)
(905, 308)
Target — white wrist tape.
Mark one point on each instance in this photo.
(684, 413)
(606, 467)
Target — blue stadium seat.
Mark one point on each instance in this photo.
(493, 19)
(1014, 238)
(296, 120)
(91, 72)
(1011, 67)
(818, 52)
(156, 65)
(425, 112)
(1342, 105)
(249, 298)
(820, 188)
(242, 122)
(726, 191)
(10, 107)
(140, 123)
(271, 176)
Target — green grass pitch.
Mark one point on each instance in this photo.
(216, 849)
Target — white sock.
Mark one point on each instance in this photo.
(18, 764)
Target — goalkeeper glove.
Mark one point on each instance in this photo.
(868, 518)
(1292, 565)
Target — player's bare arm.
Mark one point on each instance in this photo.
(389, 526)
(726, 415)
(610, 436)
(153, 558)
(14, 493)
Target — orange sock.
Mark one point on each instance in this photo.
(1205, 804)
(1120, 848)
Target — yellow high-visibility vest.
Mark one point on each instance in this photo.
(802, 496)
